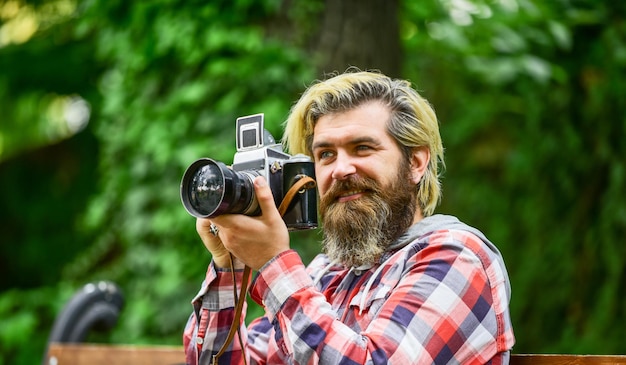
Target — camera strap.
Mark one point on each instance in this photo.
(302, 183)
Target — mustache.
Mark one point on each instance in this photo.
(338, 188)
(354, 183)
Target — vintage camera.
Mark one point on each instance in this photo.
(209, 188)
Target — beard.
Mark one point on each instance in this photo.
(358, 232)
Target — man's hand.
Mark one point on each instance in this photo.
(221, 256)
(252, 240)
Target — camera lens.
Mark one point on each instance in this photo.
(209, 189)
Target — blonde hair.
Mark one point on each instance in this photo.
(413, 122)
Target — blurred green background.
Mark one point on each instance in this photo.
(103, 104)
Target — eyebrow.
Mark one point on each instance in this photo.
(355, 141)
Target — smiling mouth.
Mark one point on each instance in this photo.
(350, 195)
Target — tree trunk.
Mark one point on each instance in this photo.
(361, 33)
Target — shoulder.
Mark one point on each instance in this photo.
(458, 253)
(455, 252)
(452, 242)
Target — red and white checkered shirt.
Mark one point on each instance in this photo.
(441, 298)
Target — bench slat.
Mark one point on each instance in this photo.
(98, 354)
(536, 359)
(92, 354)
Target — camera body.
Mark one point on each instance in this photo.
(209, 188)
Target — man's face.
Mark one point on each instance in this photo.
(367, 192)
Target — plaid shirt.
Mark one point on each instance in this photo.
(441, 299)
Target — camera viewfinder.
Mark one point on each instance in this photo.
(250, 132)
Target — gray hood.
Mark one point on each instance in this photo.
(438, 222)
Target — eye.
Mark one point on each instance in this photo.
(325, 154)
(364, 148)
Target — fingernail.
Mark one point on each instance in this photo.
(259, 181)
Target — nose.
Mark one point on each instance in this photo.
(344, 167)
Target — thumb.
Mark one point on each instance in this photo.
(264, 196)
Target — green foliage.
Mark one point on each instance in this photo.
(532, 116)
(529, 95)
(26, 314)
(178, 78)
(175, 79)
(33, 93)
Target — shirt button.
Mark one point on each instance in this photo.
(199, 340)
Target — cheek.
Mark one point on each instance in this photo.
(323, 179)
(386, 175)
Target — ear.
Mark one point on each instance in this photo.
(420, 157)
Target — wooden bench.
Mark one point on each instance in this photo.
(95, 354)
(536, 359)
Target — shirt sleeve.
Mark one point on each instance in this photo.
(440, 311)
(208, 326)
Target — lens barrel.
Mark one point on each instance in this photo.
(209, 188)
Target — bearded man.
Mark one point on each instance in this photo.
(395, 283)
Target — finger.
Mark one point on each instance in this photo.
(206, 231)
(203, 225)
(213, 243)
(264, 197)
